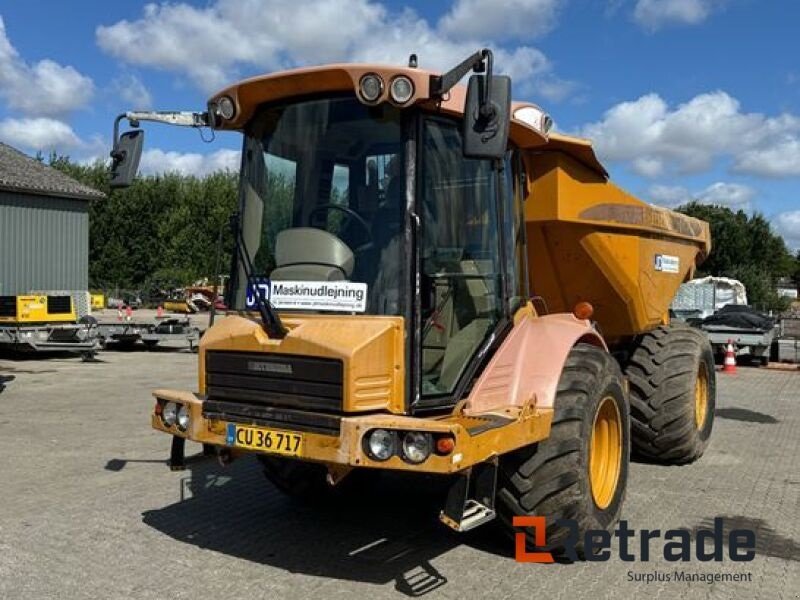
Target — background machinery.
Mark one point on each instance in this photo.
(41, 322)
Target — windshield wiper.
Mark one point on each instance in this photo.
(270, 320)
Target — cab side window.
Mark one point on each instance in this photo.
(460, 256)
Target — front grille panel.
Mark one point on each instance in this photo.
(299, 382)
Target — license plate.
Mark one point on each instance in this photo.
(265, 440)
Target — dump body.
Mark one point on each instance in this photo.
(588, 240)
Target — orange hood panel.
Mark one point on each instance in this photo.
(370, 347)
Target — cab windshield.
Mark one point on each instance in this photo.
(323, 206)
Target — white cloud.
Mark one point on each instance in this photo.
(500, 20)
(654, 14)
(669, 195)
(181, 38)
(40, 133)
(733, 195)
(648, 166)
(131, 92)
(629, 128)
(552, 88)
(655, 138)
(45, 134)
(779, 160)
(156, 161)
(215, 44)
(788, 225)
(45, 88)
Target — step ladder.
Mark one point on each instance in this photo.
(470, 500)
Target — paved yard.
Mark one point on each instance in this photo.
(88, 509)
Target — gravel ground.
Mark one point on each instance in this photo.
(88, 509)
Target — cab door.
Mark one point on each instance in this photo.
(463, 264)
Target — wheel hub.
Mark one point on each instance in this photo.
(605, 452)
(701, 397)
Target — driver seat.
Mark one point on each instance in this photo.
(308, 254)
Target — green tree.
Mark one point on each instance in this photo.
(163, 227)
(165, 230)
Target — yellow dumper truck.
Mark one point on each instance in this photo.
(428, 280)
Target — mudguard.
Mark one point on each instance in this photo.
(528, 365)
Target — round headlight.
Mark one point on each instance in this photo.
(183, 417)
(417, 446)
(226, 107)
(401, 89)
(370, 87)
(380, 444)
(170, 414)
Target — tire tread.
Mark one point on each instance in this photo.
(661, 373)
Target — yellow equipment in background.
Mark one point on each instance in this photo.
(45, 322)
(177, 306)
(98, 301)
(37, 309)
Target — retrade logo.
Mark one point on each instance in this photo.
(539, 538)
(676, 545)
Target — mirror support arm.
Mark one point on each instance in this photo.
(119, 151)
(442, 84)
(179, 118)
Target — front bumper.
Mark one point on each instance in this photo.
(478, 437)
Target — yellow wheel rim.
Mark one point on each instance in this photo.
(701, 397)
(605, 452)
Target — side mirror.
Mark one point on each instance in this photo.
(125, 158)
(487, 115)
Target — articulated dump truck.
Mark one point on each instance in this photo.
(427, 280)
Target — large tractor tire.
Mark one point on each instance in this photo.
(672, 393)
(580, 471)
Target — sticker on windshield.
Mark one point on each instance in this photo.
(667, 264)
(340, 296)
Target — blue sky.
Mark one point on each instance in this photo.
(683, 98)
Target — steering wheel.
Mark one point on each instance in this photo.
(350, 215)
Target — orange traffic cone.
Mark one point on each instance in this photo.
(729, 366)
